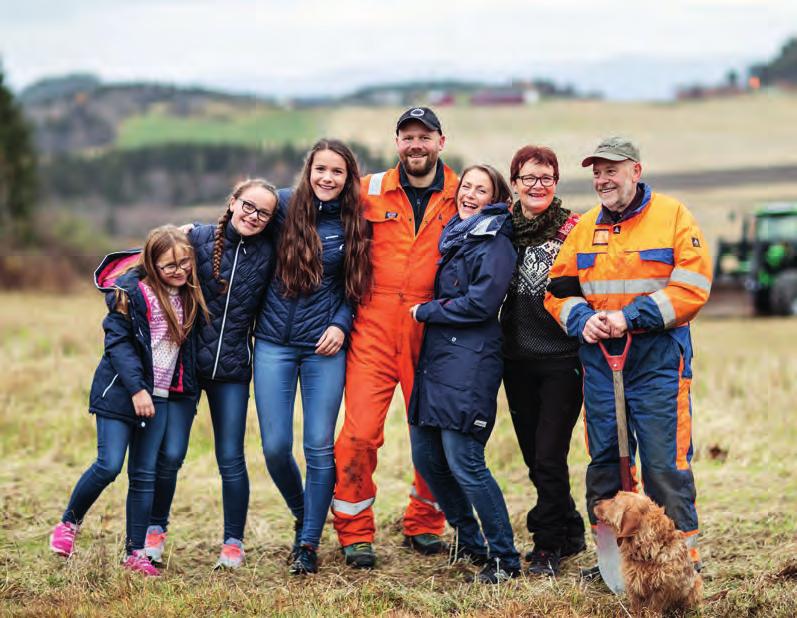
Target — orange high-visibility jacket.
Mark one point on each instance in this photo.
(403, 261)
(654, 266)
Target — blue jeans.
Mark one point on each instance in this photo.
(228, 402)
(277, 368)
(114, 438)
(452, 464)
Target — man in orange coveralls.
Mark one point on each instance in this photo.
(407, 207)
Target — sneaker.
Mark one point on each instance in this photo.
(138, 562)
(544, 562)
(297, 539)
(477, 556)
(62, 539)
(360, 555)
(232, 554)
(426, 544)
(306, 561)
(155, 543)
(492, 573)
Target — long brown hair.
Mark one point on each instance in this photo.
(299, 265)
(160, 241)
(218, 243)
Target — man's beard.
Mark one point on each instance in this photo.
(431, 163)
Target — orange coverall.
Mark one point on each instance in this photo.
(384, 348)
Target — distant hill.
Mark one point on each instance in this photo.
(79, 112)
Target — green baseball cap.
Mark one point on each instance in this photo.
(613, 148)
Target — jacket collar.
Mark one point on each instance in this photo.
(392, 180)
(637, 205)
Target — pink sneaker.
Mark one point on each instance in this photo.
(232, 554)
(139, 563)
(62, 540)
(155, 543)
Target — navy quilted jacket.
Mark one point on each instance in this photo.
(224, 345)
(301, 321)
(126, 364)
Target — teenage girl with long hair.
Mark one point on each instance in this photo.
(323, 274)
(234, 266)
(144, 376)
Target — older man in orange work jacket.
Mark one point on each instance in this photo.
(407, 206)
(636, 262)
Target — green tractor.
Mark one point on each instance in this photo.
(764, 261)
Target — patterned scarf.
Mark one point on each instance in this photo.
(528, 232)
(487, 222)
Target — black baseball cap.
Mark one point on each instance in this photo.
(421, 114)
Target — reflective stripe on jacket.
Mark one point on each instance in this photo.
(404, 261)
(654, 266)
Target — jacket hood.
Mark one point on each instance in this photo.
(112, 267)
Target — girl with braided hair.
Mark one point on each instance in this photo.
(234, 265)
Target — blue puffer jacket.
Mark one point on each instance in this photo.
(460, 366)
(126, 365)
(224, 345)
(300, 321)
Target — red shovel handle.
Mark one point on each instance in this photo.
(616, 362)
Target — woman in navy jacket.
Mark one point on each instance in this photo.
(323, 272)
(453, 405)
(234, 266)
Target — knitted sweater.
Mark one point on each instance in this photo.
(530, 332)
(164, 349)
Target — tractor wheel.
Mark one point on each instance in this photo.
(784, 293)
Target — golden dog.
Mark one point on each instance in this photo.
(655, 562)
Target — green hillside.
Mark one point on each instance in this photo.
(251, 128)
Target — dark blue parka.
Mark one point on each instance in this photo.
(460, 366)
(224, 345)
(300, 321)
(126, 364)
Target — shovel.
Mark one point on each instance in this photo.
(605, 538)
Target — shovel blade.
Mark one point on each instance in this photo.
(609, 558)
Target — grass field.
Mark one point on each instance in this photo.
(744, 393)
(700, 135)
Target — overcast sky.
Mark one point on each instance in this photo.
(627, 49)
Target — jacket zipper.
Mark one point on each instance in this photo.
(226, 305)
(109, 386)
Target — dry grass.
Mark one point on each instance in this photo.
(744, 394)
(746, 131)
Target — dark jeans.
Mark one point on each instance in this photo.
(452, 464)
(114, 438)
(545, 401)
(228, 402)
(277, 369)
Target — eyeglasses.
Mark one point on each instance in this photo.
(171, 268)
(249, 209)
(531, 180)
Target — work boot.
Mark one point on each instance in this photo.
(360, 555)
(427, 544)
(544, 562)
